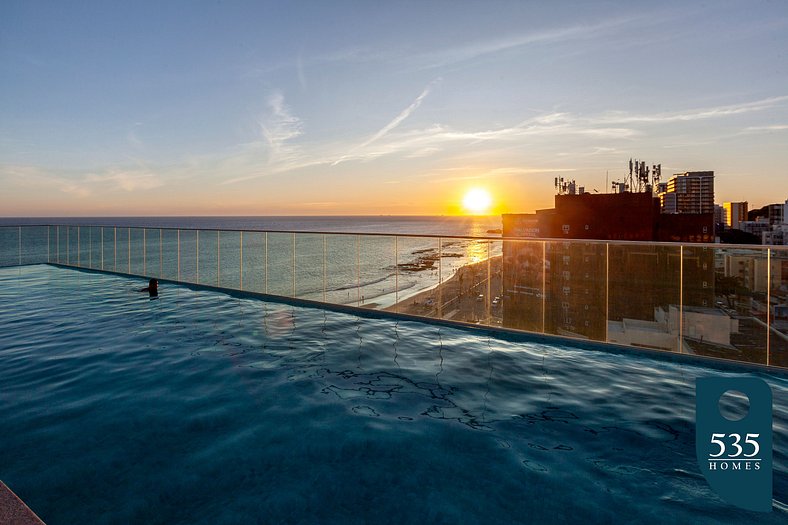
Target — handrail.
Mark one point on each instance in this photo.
(426, 236)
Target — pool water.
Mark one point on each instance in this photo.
(200, 407)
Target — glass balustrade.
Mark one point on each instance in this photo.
(722, 301)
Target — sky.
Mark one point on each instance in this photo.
(365, 108)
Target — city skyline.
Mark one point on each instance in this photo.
(348, 108)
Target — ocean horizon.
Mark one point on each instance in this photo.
(475, 226)
(376, 276)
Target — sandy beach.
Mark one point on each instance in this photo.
(469, 295)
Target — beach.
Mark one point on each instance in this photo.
(469, 295)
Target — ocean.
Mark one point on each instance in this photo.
(373, 270)
(402, 224)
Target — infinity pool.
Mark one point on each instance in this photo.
(200, 407)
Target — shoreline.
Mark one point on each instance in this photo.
(458, 297)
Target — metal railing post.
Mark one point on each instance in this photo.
(607, 290)
(324, 268)
(102, 247)
(20, 245)
(396, 273)
(90, 246)
(489, 284)
(440, 277)
(544, 287)
(49, 242)
(144, 251)
(241, 261)
(358, 270)
(218, 259)
(768, 305)
(79, 247)
(294, 264)
(179, 256)
(198, 257)
(161, 263)
(681, 299)
(68, 245)
(266, 262)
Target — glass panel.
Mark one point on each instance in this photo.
(34, 244)
(778, 335)
(94, 246)
(138, 249)
(53, 244)
(151, 252)
(495, 283)
(280, 276)
(72, 245)
(310, 276)
(725, 303)
(208, 248)
(230, 259)
(120, 248)
(9, 246)
(644, 295)
(254, 261)
(188, 256)
(341, 270)
(575, 286)
(169, 262)
(417, 276)
(463, 268)
(523, 285)
(377, 271)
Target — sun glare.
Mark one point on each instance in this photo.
(477, 201)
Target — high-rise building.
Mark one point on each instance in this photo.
(690, 192)
(735, 213)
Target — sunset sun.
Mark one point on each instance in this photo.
(477, 201)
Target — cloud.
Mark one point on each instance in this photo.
(773, 127)
(81, 184)
(696, 114)
(281, 125)
(610, 131)
(405, 113)
(125, 180)
(479, 49)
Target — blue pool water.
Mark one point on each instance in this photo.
(200, 407)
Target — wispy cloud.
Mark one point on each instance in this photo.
(405, 113)
(279, 150)
(281, 126)
(774, 127)
(696, 114)
(483, 48)
(81, 184)
(125, 180)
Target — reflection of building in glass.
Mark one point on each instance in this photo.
(574, 288)
(754, 271)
